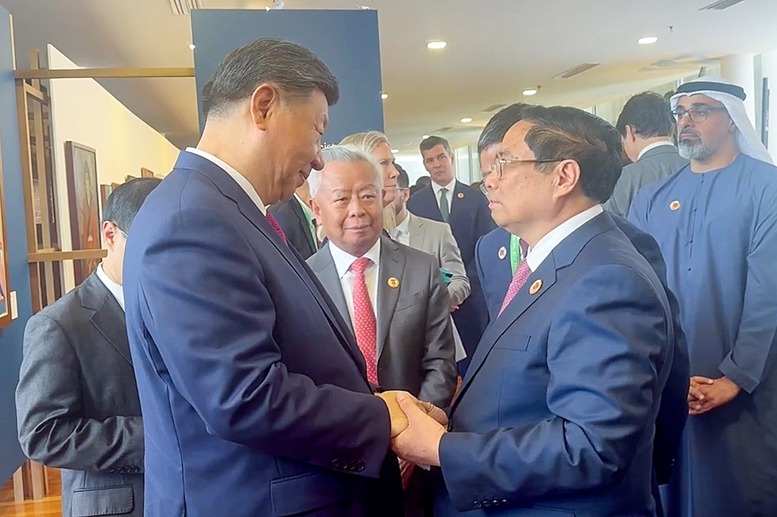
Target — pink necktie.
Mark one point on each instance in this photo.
(522, 274)
(364, 318)
(275, 226)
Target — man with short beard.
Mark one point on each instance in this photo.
(716, 223)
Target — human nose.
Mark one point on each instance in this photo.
(318, 161)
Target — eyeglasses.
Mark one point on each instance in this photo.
(696, 113)
(498, 167)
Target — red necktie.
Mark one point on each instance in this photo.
(364, 318)
(522, 274)
(275, 226)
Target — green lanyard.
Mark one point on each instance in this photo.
(311, 226)
(515, 252)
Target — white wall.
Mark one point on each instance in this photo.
(82, 111)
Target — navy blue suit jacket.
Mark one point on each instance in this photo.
(494, 269)
(469, 219)
(557, 411)
(246, 411)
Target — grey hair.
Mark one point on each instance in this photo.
(347, 154)
(368, 140)
(293, 69)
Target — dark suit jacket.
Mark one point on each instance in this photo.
(469, 219)
(77, 405)
(255, 396)
(415, 338)
(495, 276)
(556, 414)
(656, 164)
(292, 220)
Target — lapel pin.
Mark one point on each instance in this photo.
(502, 253)
(393, 282)
(674, 206)
(461, 195)
(535, 287)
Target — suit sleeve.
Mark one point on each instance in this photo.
(212, 318)
(604, 354)
(615, 204)
(439, 362)
(748, 362)
(53, 429)
(450, 256)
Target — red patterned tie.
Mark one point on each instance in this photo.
(522, 274)
(275, 226)
(364, 318)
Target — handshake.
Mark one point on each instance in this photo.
(416, 427)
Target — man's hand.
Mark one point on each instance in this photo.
(396, 415)
(706, 394)
(419, 443)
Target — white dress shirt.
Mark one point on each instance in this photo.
(116, 290)
(343, 261)
(547, 244)
(653, 146)
(241, 180)
(449, 195)
(401, 233)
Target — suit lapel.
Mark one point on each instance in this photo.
(392, 265)
(427, 204)
(302, 221)
(108, 318)
(330, 281)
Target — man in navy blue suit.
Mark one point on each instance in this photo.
(557, 411)
(254, 394)
(466, 210)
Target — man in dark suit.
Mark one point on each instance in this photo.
(297, 221)
(646, 127)
(557, 412)
(76, 403)
(466, 210)
(253, 390)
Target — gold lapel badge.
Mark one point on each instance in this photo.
(502, 253)
(674, 206)
(393, 282)
(535, 287)
(461, 195)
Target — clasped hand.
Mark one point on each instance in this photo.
(416, 427)
(705, 394)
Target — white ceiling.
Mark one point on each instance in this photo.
(496, 49)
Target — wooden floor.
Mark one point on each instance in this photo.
(48, 507)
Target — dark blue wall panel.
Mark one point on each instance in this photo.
(347, 41)
(16, 247)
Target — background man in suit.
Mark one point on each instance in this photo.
(466, 210)
(646, 127)
(297, 221)
(559, 405)
(76, 403)
(247, 411)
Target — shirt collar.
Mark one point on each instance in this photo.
(241, 180)
(403, 228)
(450, 186)
(343, 259)
(548, 243)
(652, 146)
(116, 289)
(305, 208)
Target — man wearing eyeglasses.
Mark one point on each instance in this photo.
(716, 223)
(77, 402)
(557, 411)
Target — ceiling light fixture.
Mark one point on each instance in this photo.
(647, 40)
(436, 45)
(425, 137)
(395, 151)
(384, 96)
(466, 120)
(192, 46)
(531, 91)
(179, 7)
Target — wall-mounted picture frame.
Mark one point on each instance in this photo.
(146, 173)
(105, 191)
(82, 190)
(5, 289)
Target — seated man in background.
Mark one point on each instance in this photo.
(77, 402)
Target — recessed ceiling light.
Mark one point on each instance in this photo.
(395, 151)
(191, 46)
(466, 120)
(436, 45)
(530, 92)
(648, 40)
(425, 137)
(384, 96)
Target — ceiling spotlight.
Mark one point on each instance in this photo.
(384, 96)
(395, 151)
(425, 137)
(648, 40)
(466, 120)
(192, 46)
(531, 91)
(436, 45)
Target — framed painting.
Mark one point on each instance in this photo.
(5, 303)
(146, 173)
(81, 170)
(105, 191)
